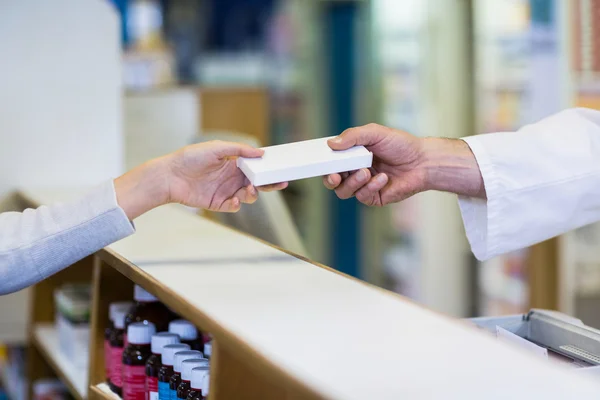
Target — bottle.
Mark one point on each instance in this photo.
(207, 350)
(134, 360)
(166, 371)
(115, 381)
(159, 341)
(176, 377)
(147, 308)
(205, 386)
(188, 333)
(109, 328)
(199, 383)
(186, 375)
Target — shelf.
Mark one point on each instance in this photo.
(45, 338)
(103, 391)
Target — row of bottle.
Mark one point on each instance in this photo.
(144, 365)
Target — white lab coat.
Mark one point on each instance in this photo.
(541, 181)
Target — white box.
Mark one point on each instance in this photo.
(300, 160)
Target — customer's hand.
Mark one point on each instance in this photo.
(202, 175)
(404, 165)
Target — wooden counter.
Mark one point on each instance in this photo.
(286, 328)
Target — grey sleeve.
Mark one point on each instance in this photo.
(38, 243)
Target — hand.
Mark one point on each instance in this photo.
(396, 172)
(404, 165)
(203, 175)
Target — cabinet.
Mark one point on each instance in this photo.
(284, 327)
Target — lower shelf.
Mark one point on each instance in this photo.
(45, 338)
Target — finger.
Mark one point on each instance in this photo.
(369, 194)
(231, 149)
(247, 194)
(230, 205)
(365, 135)
(332, 181)
(274, 187)
(356, 181)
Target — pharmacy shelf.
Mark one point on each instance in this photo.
(45, 338)
(103, 391)
(284, 326)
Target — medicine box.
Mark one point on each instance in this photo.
(300, 160)
(72, 319)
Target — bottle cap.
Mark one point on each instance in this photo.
(162, 339)
(188, 365)
(113, 307)
(184, 355)
(140, 332)
(208, 349)
(198, 375)
(140, 294)
(119, 317)
(168, 354)
(185, 329)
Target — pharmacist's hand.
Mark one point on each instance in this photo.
(202, 175)
(396, 173)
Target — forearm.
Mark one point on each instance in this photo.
(450, 166)
(144, 187)
(37, 243)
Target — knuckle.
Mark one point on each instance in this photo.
(363, 197)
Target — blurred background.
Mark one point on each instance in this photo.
(276, 71)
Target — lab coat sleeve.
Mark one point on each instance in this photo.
(38, 243)
(541, 181)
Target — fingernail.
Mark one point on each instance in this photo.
(361, 176)
(381, 178)
(336, 139)
(329, 180)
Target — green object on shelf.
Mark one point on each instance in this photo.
(73, 302)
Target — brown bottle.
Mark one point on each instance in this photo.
(188, 333)
(199, 383)
(115, 375)
(154, 363)
(166, 370)
(147, 308)
(176, 377)
(186, 375)
(134, 360)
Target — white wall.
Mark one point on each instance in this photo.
(60, 95)
(60, 103)
(158, 122)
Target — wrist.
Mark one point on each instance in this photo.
(144, 187)
(450, 166)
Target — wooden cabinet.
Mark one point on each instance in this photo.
(284, 327)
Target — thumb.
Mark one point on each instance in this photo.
(231, 149)
(366, 135)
